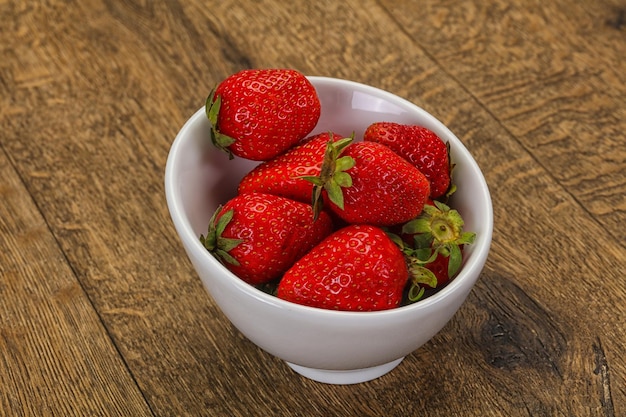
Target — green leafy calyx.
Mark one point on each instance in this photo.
(437, 231)
(212, 109)
(333, 176)
(217, 244)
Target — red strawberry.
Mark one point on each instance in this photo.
(283, 175)
(357, 268)
(259, 236)
(420, 146)
(435, 246)
(258, 114)
(441, 269)
(371, 184)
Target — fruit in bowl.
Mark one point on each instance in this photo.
(323, 344)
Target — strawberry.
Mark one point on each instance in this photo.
(368, 183)
(258, 114)
(284, 174)
(259, 236)
(420, 146)
(440, 268)
(357, 268)
(435, 246)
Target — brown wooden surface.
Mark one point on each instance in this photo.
(102, 314)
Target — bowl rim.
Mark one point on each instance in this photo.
(184, 228)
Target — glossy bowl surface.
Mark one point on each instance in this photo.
(327, 346)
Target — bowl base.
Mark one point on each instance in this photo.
(345, 377)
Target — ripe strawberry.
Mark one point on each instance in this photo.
(258, 114)
(283, 175)
(433, 242)
(357, 268)
(420, 146)
(371, 184)
(441, 270)
(259, 236)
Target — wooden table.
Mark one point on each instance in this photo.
(101, 313)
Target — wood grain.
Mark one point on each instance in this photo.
(553, 75)
(56, 357)
(93, 93)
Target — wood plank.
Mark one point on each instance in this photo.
(56, 357)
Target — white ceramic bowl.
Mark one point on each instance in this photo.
(328, 346)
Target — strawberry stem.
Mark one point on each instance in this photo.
(332, 177)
